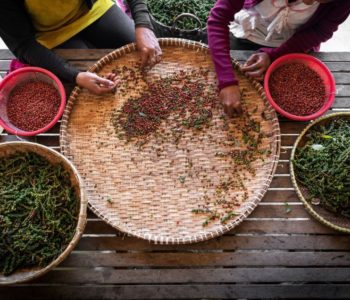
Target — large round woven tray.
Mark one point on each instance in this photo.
(54, 157)
(321, 214)
(151, 193)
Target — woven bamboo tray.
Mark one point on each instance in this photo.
(151, 193)
(319, 213)
(52, 156)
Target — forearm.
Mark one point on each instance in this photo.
(219, 39)
(36, 55)
(140, 13)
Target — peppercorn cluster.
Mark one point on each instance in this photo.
(165, 11)
(184, 93)
(297, 89)
(38, 211)
(33, 105)
(165, 110)
(322, 166)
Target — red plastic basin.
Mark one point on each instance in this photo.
(18, 77)
(316, 65)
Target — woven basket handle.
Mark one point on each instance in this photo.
(183, 16)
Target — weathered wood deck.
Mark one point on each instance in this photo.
(272, 254)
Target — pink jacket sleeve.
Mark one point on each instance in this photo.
(219, 39)
(308, 38)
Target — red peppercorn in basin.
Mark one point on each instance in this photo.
(300, 87)
(31, 101)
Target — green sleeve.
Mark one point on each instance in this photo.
(140, 13)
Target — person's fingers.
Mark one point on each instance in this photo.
(104, 82)
(94, 89)
(104, 89)
(238, 108)
(144, 56)
(115, 79)
(250, 68)
(256, 73)
(258, 62)
(149, 57)
(152, 58)
(158, 54)
(152, 62)
(158, 58)
(158, 50)
(251, 60)
(257, 65)
(229, 111)
(112, 76)
(232, 109)
(99, 90)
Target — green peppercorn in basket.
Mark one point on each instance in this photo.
(159, 158)
(43, 210)
(322, 160)
(181, 19)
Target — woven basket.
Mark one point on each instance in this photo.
(54, 157)
(319, 213)
(147, 199)
(162, 30)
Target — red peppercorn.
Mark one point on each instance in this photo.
(182, 92)
(297, 89)
(33, 105)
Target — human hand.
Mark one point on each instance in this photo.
(256, 65)
(96, 84)
(230, 97)
(148, 46)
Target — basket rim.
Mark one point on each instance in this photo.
(80, 226)
(176, 42)
(307, 205)
(187, 31)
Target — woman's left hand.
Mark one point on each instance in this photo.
(148, 46)
(256, 65)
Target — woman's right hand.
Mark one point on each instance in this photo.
(230, 97)
(96, 84)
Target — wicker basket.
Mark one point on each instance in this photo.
(148, 199)
(162, 30)
(52, 156)
(319, 213)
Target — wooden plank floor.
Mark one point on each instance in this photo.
(273, 254)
